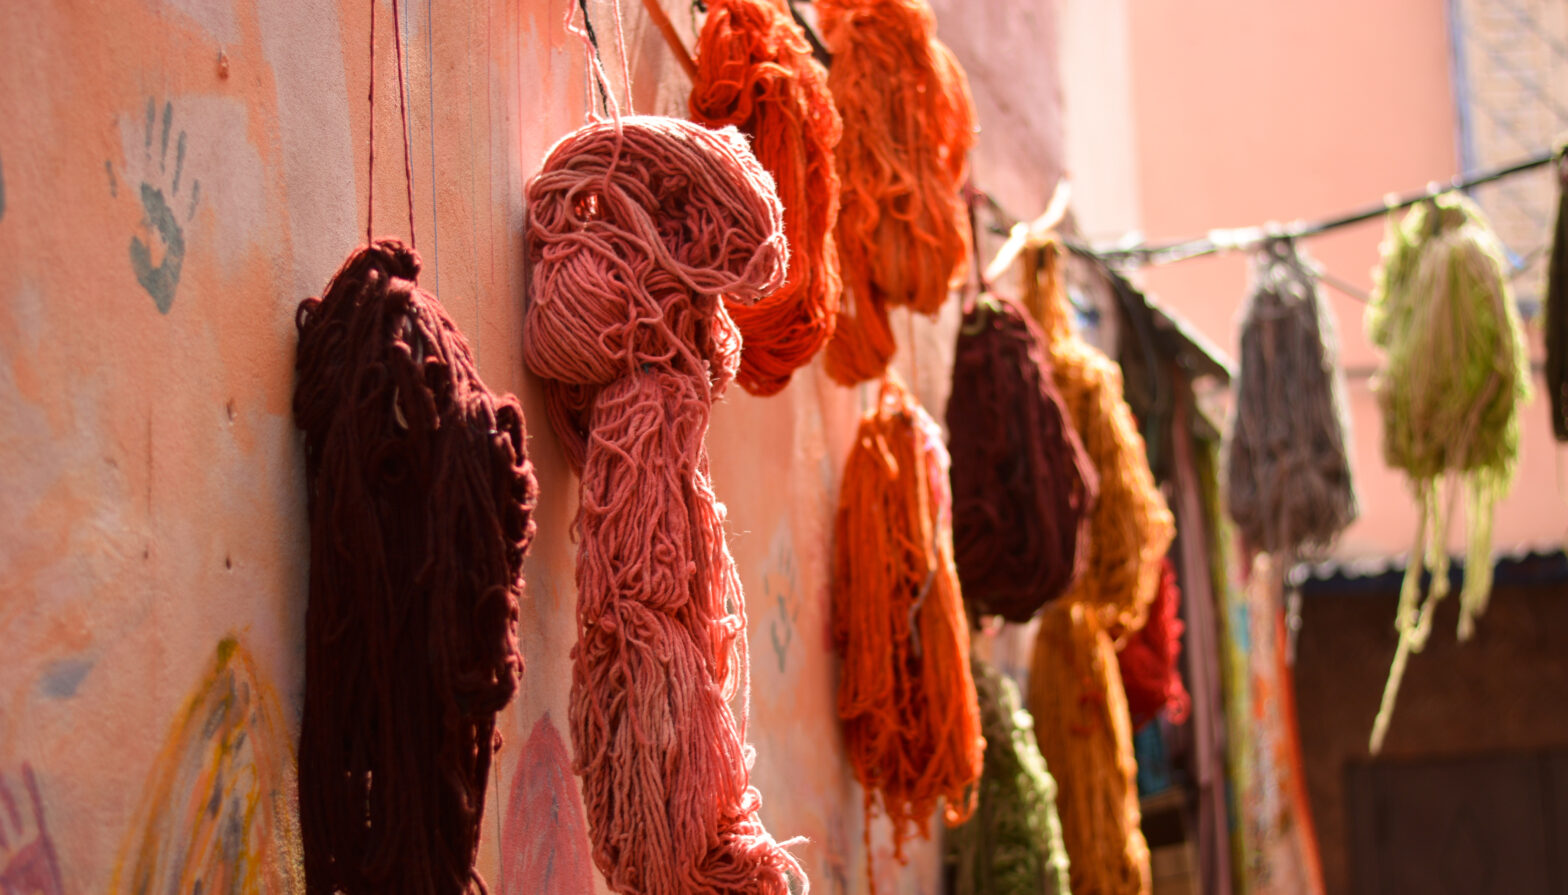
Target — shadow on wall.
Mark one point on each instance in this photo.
(218, 811)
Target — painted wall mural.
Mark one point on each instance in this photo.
(218, 813)
(28, 862)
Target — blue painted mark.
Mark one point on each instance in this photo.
(157, 260)
(62, 677)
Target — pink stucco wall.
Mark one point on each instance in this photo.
(1250, 112)
(152, 538)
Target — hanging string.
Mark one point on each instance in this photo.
(637, 229)
(420, 499)
(1013, 843)
(908, 125)
(1288, 471)
(755, 71)
(402, 108)
(905, 694)
(1023, 487)
(1454, 377)
(402, 111)
(370, 176)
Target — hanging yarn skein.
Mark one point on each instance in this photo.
(1442, 293)
(1023, 487)
(755, 71)
(1556, 308)
(1130, 527)
(1013, 843)
(638, 229)
(1082, 725)
(905, 695)
(909, 122)
(1148, 660)
(420, 502)
(1289, 487)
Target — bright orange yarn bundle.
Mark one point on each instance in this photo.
(755, 71)
(1131, 527)
(637, 228)
(906, 694)
(903, 231)
(1081, 722)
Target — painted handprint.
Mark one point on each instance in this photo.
(158, 254)
(28, 863)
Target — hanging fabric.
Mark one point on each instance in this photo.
(909, 122)
(1013, 843)
(420, 502)
(1022, 484)
(1454, 376)
(1148, 661)
(1081, 722)
(1130, 528)
(638, 229)
(905, 696)
(755, 71)
(1289, 485)
(1556, 308)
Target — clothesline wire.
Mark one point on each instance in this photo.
(1250, 237)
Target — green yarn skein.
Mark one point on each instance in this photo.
(1453, 380)
(1012, 845)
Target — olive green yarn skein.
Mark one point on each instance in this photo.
(1013, 843)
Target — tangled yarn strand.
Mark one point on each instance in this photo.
(638, 229)
(1289, 487)
(909, 122)
(755, 71)
(420, 499)
(905, 696)
(1130, 528)
(1442, 292)
(1013, 843)
(1023, 486)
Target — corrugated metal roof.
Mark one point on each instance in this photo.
(1530, 565)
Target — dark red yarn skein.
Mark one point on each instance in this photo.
(1023, 486)
(421, 499)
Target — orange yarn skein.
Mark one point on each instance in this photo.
(906, 694)
(903, 232)
(755, 71)
(1081, 722)
(1131, 527)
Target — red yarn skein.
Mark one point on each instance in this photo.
(1148, 660)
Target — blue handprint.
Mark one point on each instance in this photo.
(157, 260)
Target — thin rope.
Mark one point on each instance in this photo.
(370, 199)
(402, 111)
